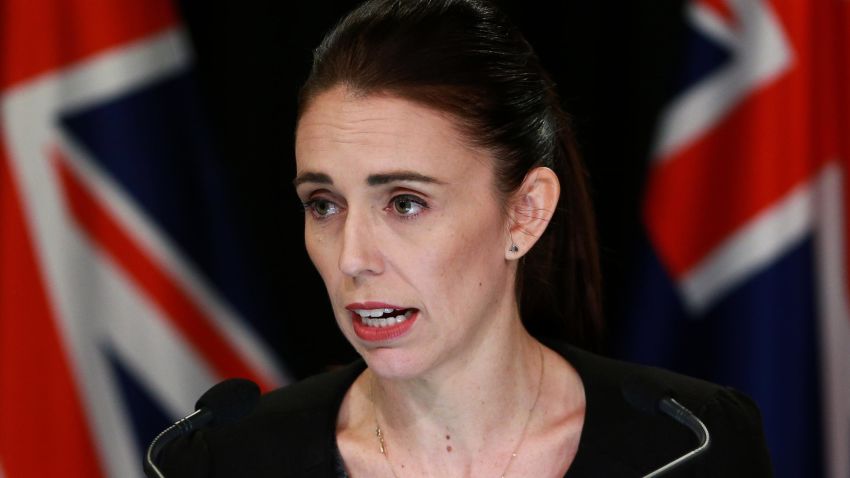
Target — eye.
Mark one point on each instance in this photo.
(321, 208)
(407, 205)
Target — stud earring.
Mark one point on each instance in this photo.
(514, 248)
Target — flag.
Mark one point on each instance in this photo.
(121, 295)
(745, 282)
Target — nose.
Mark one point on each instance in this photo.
(360, 254)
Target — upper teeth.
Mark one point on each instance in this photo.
(368, 317)
(373, 312)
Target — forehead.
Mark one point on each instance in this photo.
(341, 129)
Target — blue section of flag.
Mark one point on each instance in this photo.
(145, 414)
(703, 56)
(760, 338)
(154, 144)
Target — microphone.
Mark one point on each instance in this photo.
(652, 399)
(224, 403)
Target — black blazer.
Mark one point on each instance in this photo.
(292, 431)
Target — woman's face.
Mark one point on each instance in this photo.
(404, 224)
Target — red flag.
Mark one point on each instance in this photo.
(96, 284)
(752, 159)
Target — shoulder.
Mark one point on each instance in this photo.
(612, 378)
(313, 394)
(628, 435)
(290, 433)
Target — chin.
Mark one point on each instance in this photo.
(393, 363)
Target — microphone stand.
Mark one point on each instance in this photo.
(675, 410)
(181, 427)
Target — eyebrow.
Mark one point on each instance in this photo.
(372, 180)
(320, 178)
(381, 179)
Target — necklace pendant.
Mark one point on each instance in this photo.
(380, 439)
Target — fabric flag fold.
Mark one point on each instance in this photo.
(122, 297)
(745, 277)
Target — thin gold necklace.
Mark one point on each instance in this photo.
(380, 434)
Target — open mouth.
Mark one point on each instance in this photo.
(380, 318)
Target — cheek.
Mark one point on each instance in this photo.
(476, 257)
(464, 261)
(320, 249)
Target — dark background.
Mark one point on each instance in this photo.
(614, 63)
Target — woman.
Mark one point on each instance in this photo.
(441, 188)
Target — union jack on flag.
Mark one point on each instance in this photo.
(120, 298)
(746, 212)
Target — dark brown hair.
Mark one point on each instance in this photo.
(465, 58)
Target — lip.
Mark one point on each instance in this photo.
(373, 305)
(380, 334)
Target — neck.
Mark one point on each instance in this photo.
(484, 394)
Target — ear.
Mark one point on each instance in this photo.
(530, 209)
